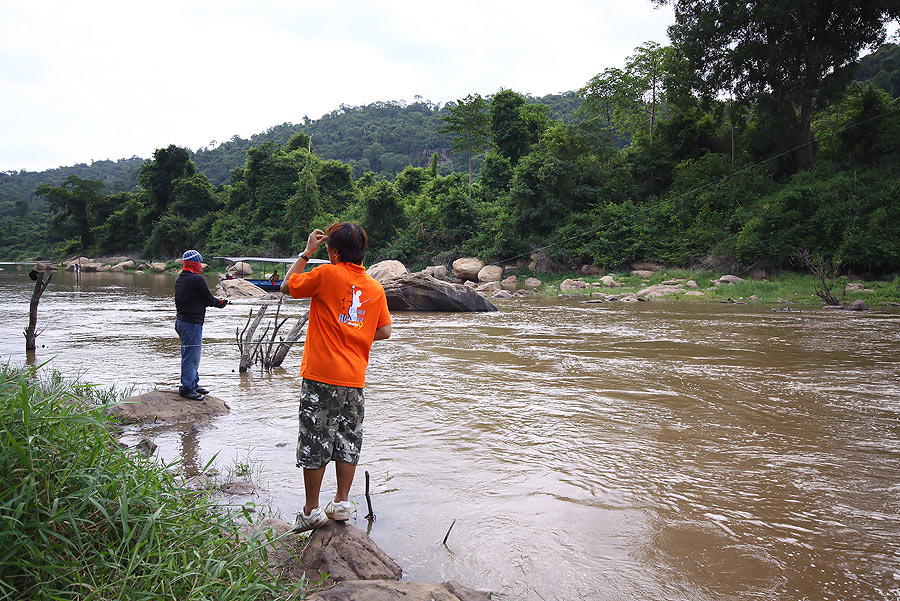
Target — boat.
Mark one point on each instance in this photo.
(259, 266)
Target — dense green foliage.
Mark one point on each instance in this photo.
(83, 519)
(648, 163)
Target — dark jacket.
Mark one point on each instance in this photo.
(192, 297)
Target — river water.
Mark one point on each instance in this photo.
(663, 450)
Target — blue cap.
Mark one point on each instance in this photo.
(192, 255)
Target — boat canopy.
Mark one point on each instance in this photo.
(288, 260)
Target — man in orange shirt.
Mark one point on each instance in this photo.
(347, 312)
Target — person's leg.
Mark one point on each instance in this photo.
(191, 335)
(345, 472)
(312, 484)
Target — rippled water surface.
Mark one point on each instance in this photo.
(658, 450)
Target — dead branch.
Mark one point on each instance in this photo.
(285, 346)
(31, 332)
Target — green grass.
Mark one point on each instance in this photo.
(795, 288)
(82, 519)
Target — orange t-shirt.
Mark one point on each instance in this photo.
(346, 307)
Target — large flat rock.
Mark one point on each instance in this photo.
(420, 292)
(166, 406)
(347, 553)
(388, 590)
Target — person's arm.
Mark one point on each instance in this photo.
(313, 242)
(383, 333)
(203, 290)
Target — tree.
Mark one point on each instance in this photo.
(800, 53)
(468, 121)
(645, 69)
(76, 200)
(606, 101)
(508, 127)
(158, 177)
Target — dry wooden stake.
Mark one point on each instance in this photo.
(448, 532)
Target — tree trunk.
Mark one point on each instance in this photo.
(469, 154)
(806, 153)
(31, 333)
(283, 348)
(245, 339)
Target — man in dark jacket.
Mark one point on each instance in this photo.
(192, 297)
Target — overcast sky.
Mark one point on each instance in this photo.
(93, 80)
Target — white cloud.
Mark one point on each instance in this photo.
(110, 79)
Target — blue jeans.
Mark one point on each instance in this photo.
(191, 335)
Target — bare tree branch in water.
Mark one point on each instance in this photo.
(31, 332)
(826, 272)
(263, 350)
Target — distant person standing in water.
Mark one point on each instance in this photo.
(192, 297)
(348, 311)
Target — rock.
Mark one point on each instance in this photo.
(438, 272)
(104, 268)
(569, 285)
(540, 261)
(502, 294)
(45, 266)
(240, 269)
(346, 553)
(691, 284)
(730, 279)
(854, 287)
(166, 406)
(238, 288)
(488, 287)
(179, 263)
(117, 268)
(753, 297)
(832, 307)
(867, 290)
(858, 305)
(490, 273)
(510, 284)
(673, 282)
(532, 283)
(386, 270)
(158, 267)
(642, 273)
(645, 266)
(467, 268)
(144, 267)
(124, 265)
(657, 291)
(139, 271)
(694, 293)
(238, 488)
(414, 292)
(470, 284)
(609, 281)
(388, 590)
(590, 270)
(146, 447)
(631, 297)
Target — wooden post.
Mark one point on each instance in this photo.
(40, 285)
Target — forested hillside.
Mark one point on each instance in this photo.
(683, 154)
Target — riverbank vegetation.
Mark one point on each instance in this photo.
(683, 155)
(84, 519)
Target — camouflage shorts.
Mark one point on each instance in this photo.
(331, 420)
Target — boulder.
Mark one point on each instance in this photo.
(729, 279)
(540, 261)
(488, 287)
(644, 274)
(502, 294)
(389, 590)
(104, 268)
(657, 291)
(346, 553)
(854, 287)
(569, 285)
(694, 293)
(158, 267)
(166, 406)
(470, 284)
(386, 270)
(858, 305)
(117, 268)
(532, 283)
(590, 270)
(240, 269)
(238, 288)
(467, 268)
(630, 297)
(673, 282)
(753, 297)
(510, 284)
(691, 284)
(239, 488)
(436, 271)
(125, 264)
(45, 266)
(609, 281)
(490, 273)
(179, 263)
(418, 292)
(645, 266)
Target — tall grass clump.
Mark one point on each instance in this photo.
(80, 518)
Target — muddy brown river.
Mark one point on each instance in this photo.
(663, 450)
